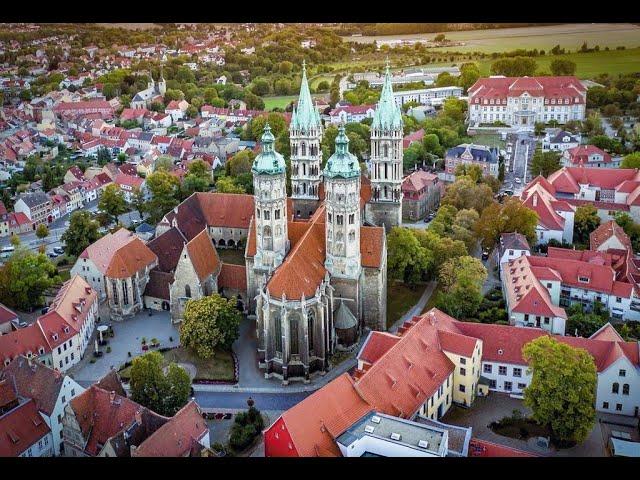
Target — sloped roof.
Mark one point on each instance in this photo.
(607, 230)
(203, 255)
(21, 427)
(233, 277)
(102, 250)
(376, 345)
(159, 284)
(129, 259)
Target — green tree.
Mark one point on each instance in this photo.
(445, 79)
(82, 232)
(515, 67)
(164, 190)
(461, 279)
(25, 277)
(151, 387)
(631, 228)
(562, 393)
(586, 220)
(112, 202)
(198, 178)
(465, 193)
(583, 323)
(210, 322)
(469, 74)
(407, 259)
(631, 161)
(544, 163)
(226, 184)
(42, 231)
(511, 216)
(474, 172)
(104, 156)
(562, 67)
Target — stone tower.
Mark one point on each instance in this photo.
(269, 183)
(162, 84)
(385, 207)
(305, 132)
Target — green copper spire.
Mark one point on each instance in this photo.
(388, 115)
(342, 163)
(305, 116)
(268, 161)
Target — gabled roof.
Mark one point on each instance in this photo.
(20, 428)
(102, 250)
(168, 248)
(203, 255)
(129, 259)
(607, 230)
(376, 345)
(233, 277)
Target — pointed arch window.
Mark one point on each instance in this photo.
(277, 323)
(310, 323)
(187, 291)
(294, 325)
(303, 149)
(385, 151)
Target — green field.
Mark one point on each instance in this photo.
(282, 101)
(570, 36)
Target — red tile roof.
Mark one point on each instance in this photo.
(607, 230)
(377, 345)
(35, 380)
(483, 448)
(580, 155)
(233, 277)
(21, 428)
(129, 259)
(176, 437)
(102, 250)
(566, 87)
(6, 315)
(203, 256)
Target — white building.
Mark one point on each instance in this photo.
(524, 101)
(427, 96)
(560, 141)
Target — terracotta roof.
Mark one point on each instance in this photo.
(607, 333)
(303, 268)
(233, 277)
(456, 343)
(376, 345)
(7, 393)
(100, 418)
(203, 255)
(313, 423)
(22, 427)
(168, 248)
(159, 284)
(607, 230)
(102, 250)
(418, 180)
(36, 381)
(111, 383)
(176, 437)
(6, 315)
(541, 202)
(483, 448)
(23, 341)
(372, 242)
(129, 259)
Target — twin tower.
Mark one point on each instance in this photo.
(305, 133)
(338, 182)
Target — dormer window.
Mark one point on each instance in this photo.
(54, 336)
(583, 279)
(41, 351)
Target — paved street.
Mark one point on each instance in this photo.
(520, 156)
(263, 401)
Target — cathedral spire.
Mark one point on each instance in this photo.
(305, 115)
(387, 114)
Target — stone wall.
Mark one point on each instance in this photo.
(306, 207)
(387, 214)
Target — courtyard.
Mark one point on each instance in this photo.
(127, 340)
(496, 406)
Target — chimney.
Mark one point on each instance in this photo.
(138, 417)
(112, 396)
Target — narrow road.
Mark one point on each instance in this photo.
(263, 401)
(417, 308)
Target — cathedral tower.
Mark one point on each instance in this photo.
(305, 133)
(269, 183)
(342, 202)
(385, 206)
(162, 84)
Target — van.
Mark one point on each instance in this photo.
(9, 249)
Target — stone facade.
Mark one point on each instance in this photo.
(125, 295)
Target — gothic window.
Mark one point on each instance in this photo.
(304, 188)
(278, 231)
(352, 219)
(258, 212)
(339, 219)
(304, 169)
(385, 151)
(352, 236)
(187, 291)
(276, 214)
(277, 322)
(304, 149)
(294, 325)
(125, 293)
(329, 216)
(386, 171)
(266, 215)
(134, 285)
(114, 289)
(267, 239)
(310, 324)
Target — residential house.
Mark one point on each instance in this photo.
(588, 156)
(420, 194)
(560, 141)
(555, 215)
(469, 154)
(36, 206)
(25, 433)
(351, 113)
(177, 109)
(512, 246)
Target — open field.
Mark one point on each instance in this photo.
(569, 36)
(400, 298)
(283, 101)
(129, 26)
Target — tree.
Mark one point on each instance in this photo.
(25, 277)
(445, 79)
(253, 102)
(586, 220)
(104, 156)
(514, 67)
(42, 231)
(631, 161)
(240, 163)
(112, 202)
(413, 155)
(583, 323)
(474, 172)
(226, 184)
(198, 178)
(465, 193)
(164, 162)
(461, 279)
(544, 163)
(164, 190)
(511, 216)
(469, 74)
(277, 123)
(561, 66)
(539, 129)
(562, 393)
(210, 322)
(407, 259)
(82, 232)
(631, 228)
(15, 240)
(151, 387)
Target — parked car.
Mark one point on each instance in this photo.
(485, 254)
(52, 254)
(58, 250)
(518, 181)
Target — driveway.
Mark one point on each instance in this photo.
(128, 336)
(499, 405)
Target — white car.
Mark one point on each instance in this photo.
(518, 181)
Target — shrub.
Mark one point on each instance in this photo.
(242, 436)
(129, 354)
(144, 340)
(108, 349)
(93, 360)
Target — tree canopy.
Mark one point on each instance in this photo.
(82, 232)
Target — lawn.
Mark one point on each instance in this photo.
(219, 368)
(283, 100)
(489, 139)
(569, 36)
(400, 298)
(232, 255)
(432, 300)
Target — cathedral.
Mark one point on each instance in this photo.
(154, 92)
(315, 262)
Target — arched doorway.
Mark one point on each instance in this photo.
(222, 243)
(231, 244)
(165, 306)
